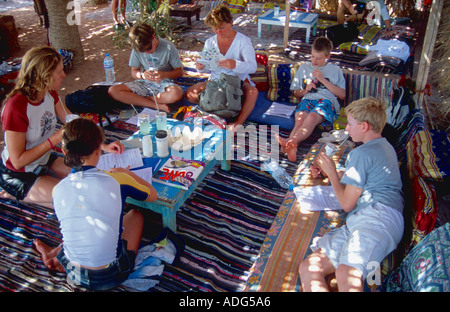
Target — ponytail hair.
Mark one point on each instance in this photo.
(80, 138)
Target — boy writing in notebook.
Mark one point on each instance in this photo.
(370, 190)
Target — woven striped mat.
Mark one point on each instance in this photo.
(224, 224)
(288, 240)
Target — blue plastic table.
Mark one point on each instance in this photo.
(171, 198)
(296, 19)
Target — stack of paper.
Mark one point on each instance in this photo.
(317, 198)
(131, 157)
(280, 110)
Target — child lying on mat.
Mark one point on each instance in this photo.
(370, 190)
(319, 84)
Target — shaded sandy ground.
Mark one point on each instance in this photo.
(95, 33)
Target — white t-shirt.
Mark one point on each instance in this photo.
(89, 207)
(330, 71)
(373, 167)
(242, 51)
(38, 121)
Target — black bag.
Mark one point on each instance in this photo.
(402, 103)
(94, 99)
(347, 32)
(222, 97)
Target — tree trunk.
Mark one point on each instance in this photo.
(64, 17)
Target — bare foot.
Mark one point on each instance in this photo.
(291, 150)
(48, 255)
(164, 108)
(282, 143)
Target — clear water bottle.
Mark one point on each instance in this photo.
(108, 63)
(279, 174)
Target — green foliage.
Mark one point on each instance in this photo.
(148, 11)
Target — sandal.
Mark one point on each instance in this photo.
(291, 150)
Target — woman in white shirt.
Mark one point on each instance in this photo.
(238, 59)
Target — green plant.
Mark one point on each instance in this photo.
(148, 11)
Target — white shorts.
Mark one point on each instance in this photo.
(368, 235)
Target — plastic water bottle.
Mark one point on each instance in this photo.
(279, 174)
(108, 63)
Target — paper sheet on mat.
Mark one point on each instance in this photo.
(280, 110)
(317, 198)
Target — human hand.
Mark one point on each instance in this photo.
(115, 147)
(352, 9)
(119, 169)
(199, 66)
(227, 63)
(325, 163)
(152, 75)
(388, 33)
(316, 172)
(318, 74)
(310, 86)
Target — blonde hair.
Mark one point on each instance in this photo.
(219, 15)
(370, 110)
(36, 71)
(140, 36)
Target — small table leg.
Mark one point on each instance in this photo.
(259, 29)
(308, 33)
(169, 219)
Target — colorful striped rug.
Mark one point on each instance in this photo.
(223, 224)
(287, 241)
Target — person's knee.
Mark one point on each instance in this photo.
(136, 217)
(114, 90)
(173, 94)
(304, 267)
(349, 278)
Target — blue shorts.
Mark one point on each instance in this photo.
(369, 235)
(103, 279)
(323, 107)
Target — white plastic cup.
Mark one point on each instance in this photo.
(161, 121)
(147, 146)
(144, 124)
(330, 149)
(162, 145)
(276, 10)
